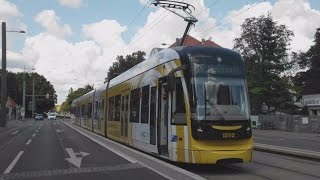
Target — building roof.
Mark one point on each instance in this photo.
(191, 41)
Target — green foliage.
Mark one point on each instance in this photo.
(42, 87)
(66, 106)
(124, 63)
(309, 81)
(264, 45)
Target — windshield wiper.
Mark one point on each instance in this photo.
(215, 109)
(206, 101)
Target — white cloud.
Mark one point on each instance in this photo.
(71, 3)
(49, 20)
(62, 62)
(7, 10)
(67, 64)
(300, 18)
(144, 2)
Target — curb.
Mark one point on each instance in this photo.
(293, 152)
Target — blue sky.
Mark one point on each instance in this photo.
(122, 11)
(74, 45)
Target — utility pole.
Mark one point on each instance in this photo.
(3, 121)
(24, 91)
(33, 99)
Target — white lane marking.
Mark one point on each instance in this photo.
(28, 142)
(130, 159)
(73, 157)
(269, 139)
(37, 130)
(182, 171)
(59, 130)
(15, 132)
(40, 126)
(15, 160)
(33, 135)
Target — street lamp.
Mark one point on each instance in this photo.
(3, 120)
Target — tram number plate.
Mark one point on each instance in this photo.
(228, 135)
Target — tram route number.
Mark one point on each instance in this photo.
(228, 135)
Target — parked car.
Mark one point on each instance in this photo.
(38, 117)
(52, 116)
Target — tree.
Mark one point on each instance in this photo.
(309, 81)
(66, 105)
(41, 87)
(124, 63)
(264, 45)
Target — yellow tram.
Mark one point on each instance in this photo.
(186, 104)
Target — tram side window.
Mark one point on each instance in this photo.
(82, 111)
(89, 112)
(117, 107)
(145, 104)
(153, 111)
(179, 111)
(135, 105)
(111, 111)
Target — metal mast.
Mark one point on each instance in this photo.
(185, 7)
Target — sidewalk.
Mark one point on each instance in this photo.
(297, 144)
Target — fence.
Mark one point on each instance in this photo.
(309, 124)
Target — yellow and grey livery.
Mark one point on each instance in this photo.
(186, 104)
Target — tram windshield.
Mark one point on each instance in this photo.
(218, 90)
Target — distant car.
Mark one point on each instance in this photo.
(38, 117)
(52, 116)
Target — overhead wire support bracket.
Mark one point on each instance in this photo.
(185, 7)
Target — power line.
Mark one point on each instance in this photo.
(152, 25)
(139, 13)
(207, 7)
(226, 20)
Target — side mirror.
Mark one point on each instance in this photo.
(171, 82)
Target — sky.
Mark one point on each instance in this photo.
(73, 42)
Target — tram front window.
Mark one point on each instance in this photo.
(219, 91)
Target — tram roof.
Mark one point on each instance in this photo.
(158, 58)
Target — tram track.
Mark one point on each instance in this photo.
(264, 166)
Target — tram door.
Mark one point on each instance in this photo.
(124, 116)
(163, 119)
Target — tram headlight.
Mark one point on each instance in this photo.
(199, 129)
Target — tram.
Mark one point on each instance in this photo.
(185, 104)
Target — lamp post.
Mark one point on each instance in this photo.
(3, 121)
(4, 78)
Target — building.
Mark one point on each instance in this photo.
(191, 41)
(312, 101)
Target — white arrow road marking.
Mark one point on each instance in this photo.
(73, 157)
(15, 132)
(59, 130)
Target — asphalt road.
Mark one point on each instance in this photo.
(264, 166)
(44, 150)
(298, 140)
(51, 150)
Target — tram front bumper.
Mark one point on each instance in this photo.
(221, 157)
